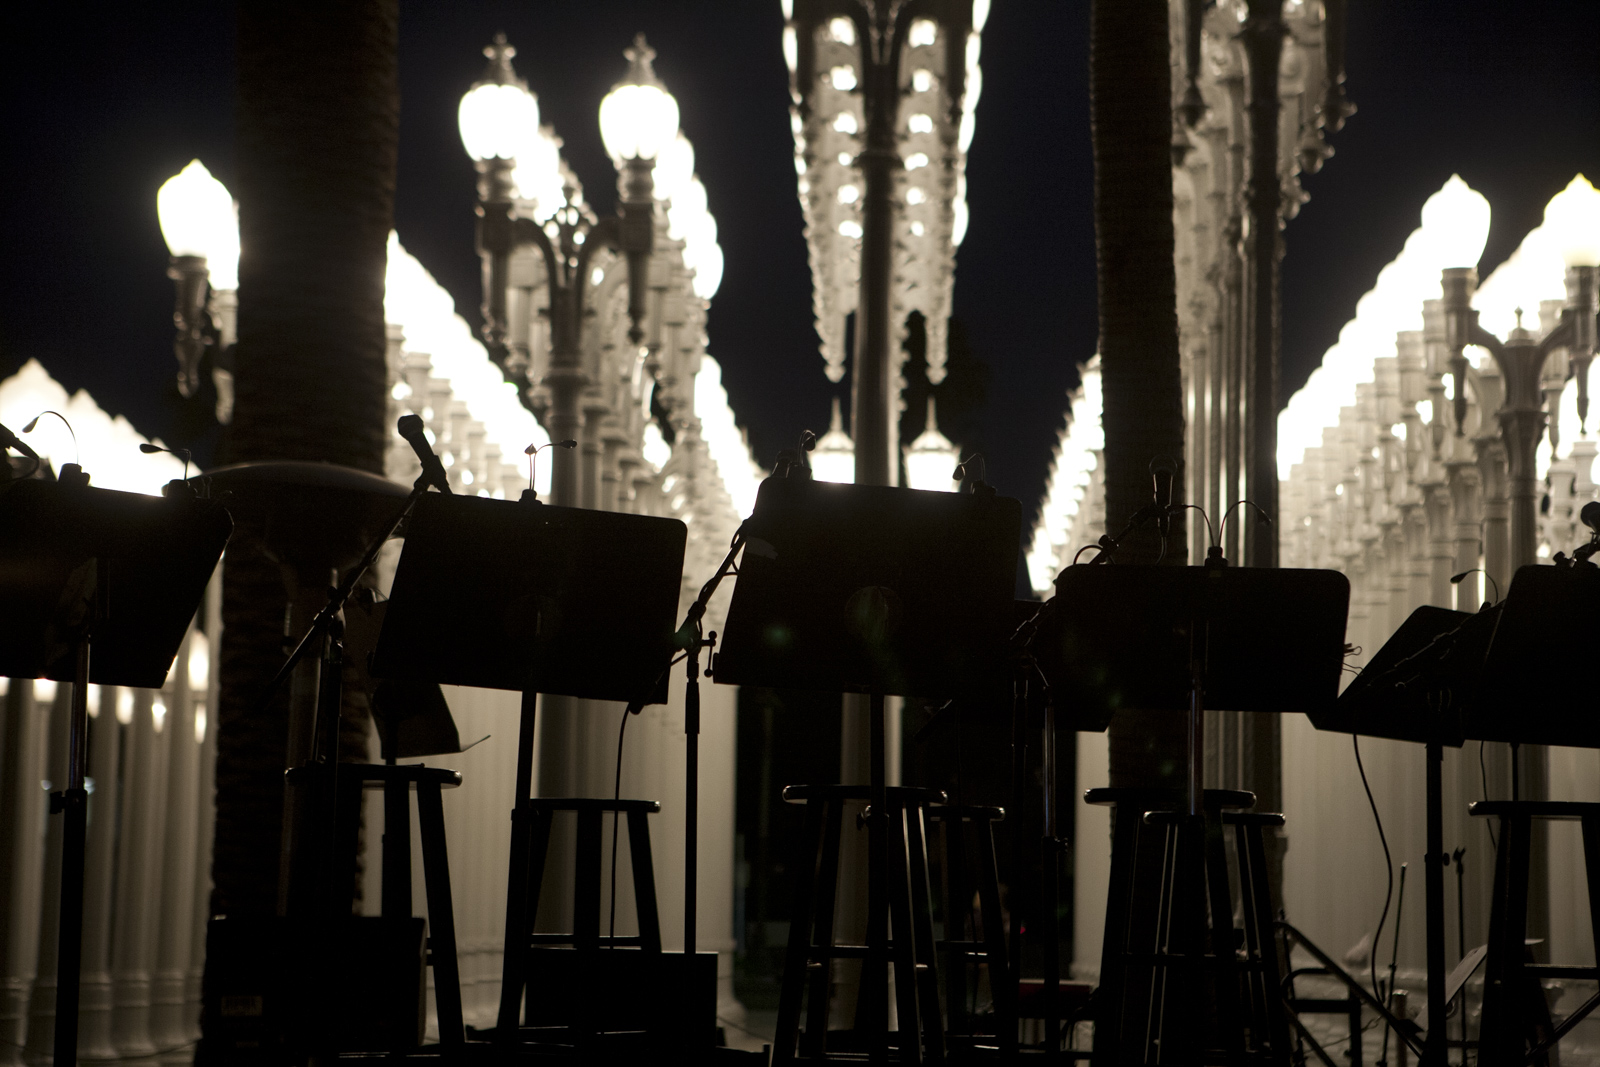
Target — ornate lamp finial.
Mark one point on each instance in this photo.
(500, 71)
(640, 57)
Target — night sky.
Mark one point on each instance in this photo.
(100, 106)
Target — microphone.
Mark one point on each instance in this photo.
(410, 428)
(12, 441)
(1162, 472)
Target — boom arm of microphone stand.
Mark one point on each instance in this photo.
(696, 612)
(337, 598)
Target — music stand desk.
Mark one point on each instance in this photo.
(122, 572)
(530, 597)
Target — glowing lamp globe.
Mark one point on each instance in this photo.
(198, 218)
(674, 169)
(498, 117)
(1456, 221)
(638, 117)
(498, 121)
(1574, 217)
(708, 272)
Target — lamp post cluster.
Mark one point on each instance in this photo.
(200, 223)
(554, 297)
(884, 109)
(1260, 88)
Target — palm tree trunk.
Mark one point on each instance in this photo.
(1130, 87)
(318, 125)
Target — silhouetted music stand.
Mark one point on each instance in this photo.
(1447, 676)
(1186, 639)
(877, 590)
(529, 597)
(1192, 638)
(125, 573)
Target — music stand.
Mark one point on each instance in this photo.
(125, 573)
(877, 590)
(1159, 638)
(1192, 638)
(534, 598)
(1442, 678)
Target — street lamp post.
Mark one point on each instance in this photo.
(1522, 357)
(200, 224)
(499, 127)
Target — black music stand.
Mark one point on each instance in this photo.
(125, 573)
(1186, 639)
(877, 590)
(530, 597)
(1191, 638)
(1446, 677)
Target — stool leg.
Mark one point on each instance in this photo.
(922, 928)
(1500, 1033)
(396, 849)
(441, 914)
(903, 945)
(1224, 937)
(1110, 994)
(1258, 918)
(797, 957)
(1591, 863)
(827, 889)
(1002, 983)
(644, 881)
(586, 921)
(530, 838)
(957, 906)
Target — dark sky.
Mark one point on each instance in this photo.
(101, 103)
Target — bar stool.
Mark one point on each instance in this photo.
(1515, 1012)
(808, 963)
(578, 980)
(1165, 871)
(397, 782)
(959, 951)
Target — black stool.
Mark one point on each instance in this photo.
(567, 975)
(807, 965)
(1162, 861)
(397, 781)
(960, 951)
(1515, 1012)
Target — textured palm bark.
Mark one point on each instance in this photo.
(318, 124)
(1131, 123)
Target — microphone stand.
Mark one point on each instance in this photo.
(325, 717)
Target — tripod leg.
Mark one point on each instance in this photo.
(513, 974)
(74, 840)
(441, 914)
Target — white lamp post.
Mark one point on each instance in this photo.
(834, 458)
(500, 130)
(1574, 217)
(201, 226)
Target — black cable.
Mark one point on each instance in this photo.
(1082, 550)
(1388, 861)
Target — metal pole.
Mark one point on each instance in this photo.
(74, 806)
(1435, 1049)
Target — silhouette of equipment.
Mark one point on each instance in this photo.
(118, 574)
(877, 590)
(1186, 639)
(528, 597)
(1446, 677)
